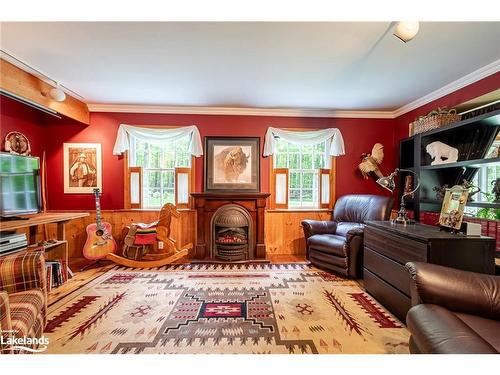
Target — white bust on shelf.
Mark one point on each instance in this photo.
(441, 153)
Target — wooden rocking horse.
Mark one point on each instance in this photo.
(150, 245)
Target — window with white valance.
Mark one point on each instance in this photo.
(158, 135)
(159, 165)
(332, 137)
(303, 167)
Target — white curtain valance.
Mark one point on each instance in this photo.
(333, 137)
(160, 135)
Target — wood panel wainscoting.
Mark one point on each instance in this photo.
(284, 234)
(283, 231)
(183, 228)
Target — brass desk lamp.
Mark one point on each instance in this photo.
(389, 184)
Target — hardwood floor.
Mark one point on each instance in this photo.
(81, 278)
(286, 258)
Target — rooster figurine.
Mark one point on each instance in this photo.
(372, 161)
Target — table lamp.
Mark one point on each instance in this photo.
(389, 184)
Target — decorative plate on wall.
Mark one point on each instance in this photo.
(17, 143)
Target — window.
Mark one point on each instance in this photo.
(159, 163)
(301, 165)
(484, 180)
(485, 177)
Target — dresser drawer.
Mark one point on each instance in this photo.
(393, 272)
(398, 248)
(392, 299)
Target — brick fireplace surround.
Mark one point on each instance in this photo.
(208, 204)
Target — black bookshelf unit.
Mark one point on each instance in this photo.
(472, 137)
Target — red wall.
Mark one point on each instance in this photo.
(359, 136)
(27, 120)
(46, 132)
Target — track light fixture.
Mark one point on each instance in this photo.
(406, 30)
(56, 94)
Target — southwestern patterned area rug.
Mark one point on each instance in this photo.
(259, 308)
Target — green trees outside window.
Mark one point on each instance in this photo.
(159, 162)
(303, 163)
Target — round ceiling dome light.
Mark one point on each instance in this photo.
(406, 30)
(57, 94)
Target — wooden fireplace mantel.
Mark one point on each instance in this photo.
(230, 195)
(206, 204)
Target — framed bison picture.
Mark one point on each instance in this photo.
(232, 164)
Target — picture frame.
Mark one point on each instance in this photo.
(452, 210)
(82, 167)
(232, 164)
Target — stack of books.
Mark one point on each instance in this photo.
(57, 273)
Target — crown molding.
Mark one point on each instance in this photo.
(470, 78)
(238, 111)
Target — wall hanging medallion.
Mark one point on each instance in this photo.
(17, 143)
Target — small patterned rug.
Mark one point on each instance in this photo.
(258, 308)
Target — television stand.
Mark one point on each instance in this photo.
(57, 249)
(11, 218)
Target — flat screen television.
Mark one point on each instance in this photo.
(19, 185)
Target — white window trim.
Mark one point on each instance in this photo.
(314, 171)
(329, 163)
(132, 162)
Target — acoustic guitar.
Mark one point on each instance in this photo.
(99, 242)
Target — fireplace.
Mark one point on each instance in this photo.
(232, 234)
(230, 226)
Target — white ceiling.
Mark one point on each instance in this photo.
(346, 66)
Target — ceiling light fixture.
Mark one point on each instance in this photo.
(57, 94)
(406, 30)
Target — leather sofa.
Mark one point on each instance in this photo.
(23, 298)
(337, 245)
(454, 311)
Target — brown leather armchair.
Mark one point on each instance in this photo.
(337, 245)
(454, 311)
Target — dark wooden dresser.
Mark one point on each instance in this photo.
(388, 247)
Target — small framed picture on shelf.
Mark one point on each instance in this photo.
(82, 167)
(452, 210)
(232, 164)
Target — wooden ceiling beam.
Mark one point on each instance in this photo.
(16, 81)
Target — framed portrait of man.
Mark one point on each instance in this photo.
(82, 168)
